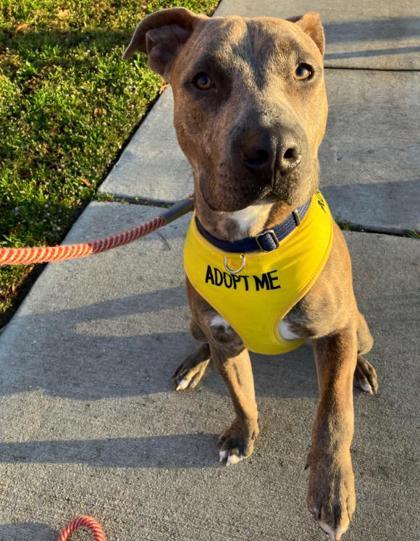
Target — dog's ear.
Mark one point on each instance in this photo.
(311, 24)
(162, 35)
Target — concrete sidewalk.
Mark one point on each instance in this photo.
(89, 421)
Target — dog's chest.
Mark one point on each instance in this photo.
(249, 221)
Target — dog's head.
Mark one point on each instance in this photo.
(250, 101)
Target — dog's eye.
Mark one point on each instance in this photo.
(304, 72)
(202, 81)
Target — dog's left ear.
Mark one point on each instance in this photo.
(311, 24)
(162, 35)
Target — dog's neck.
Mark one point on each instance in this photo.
(247, 222)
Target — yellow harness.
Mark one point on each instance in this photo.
(256, 299)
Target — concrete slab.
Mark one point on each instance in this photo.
(152, 165)
(370, 163)
(374, 34)
(89, 422)
(370, 159)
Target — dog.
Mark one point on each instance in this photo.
(250, 112)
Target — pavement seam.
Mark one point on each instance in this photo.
(380, 230)
(344, 225)
(107, 197)
(353, 68)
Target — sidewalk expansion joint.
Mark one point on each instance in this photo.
(106, 197)
(378, 229)
(353, 68)
(344, 225)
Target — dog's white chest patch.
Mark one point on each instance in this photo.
(285, 331)
(251, 219)
(218, 321)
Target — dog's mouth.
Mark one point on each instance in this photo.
(235, 203)
(229, 191)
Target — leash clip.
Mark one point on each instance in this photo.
(234, 271)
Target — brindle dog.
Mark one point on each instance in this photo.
(250, 114)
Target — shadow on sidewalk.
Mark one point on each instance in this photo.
(27, 531)
(127, 347)
(372, 52)
(376, 203)
(391, 28)
(173, 451)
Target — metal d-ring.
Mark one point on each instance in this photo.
(234, 271)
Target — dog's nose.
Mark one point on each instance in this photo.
(263, 152)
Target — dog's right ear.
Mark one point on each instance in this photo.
(311, 24)
(162, 35)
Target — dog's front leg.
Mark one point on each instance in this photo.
(237, 441)
(331, 495)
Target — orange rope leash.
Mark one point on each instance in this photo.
(83, 522)
(49, 254)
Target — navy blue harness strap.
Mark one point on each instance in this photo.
(267, 241)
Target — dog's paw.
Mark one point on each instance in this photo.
(190, 373)
(236, 443)
(188, 378)
(331, 496)
(231, 456)
(365, 377)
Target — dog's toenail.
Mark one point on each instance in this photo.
(222, 455)
(234, 459)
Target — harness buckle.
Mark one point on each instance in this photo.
(267, 241)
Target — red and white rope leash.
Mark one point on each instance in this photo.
(83, 522)
(50, 254)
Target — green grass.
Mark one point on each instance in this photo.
(68, 102)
